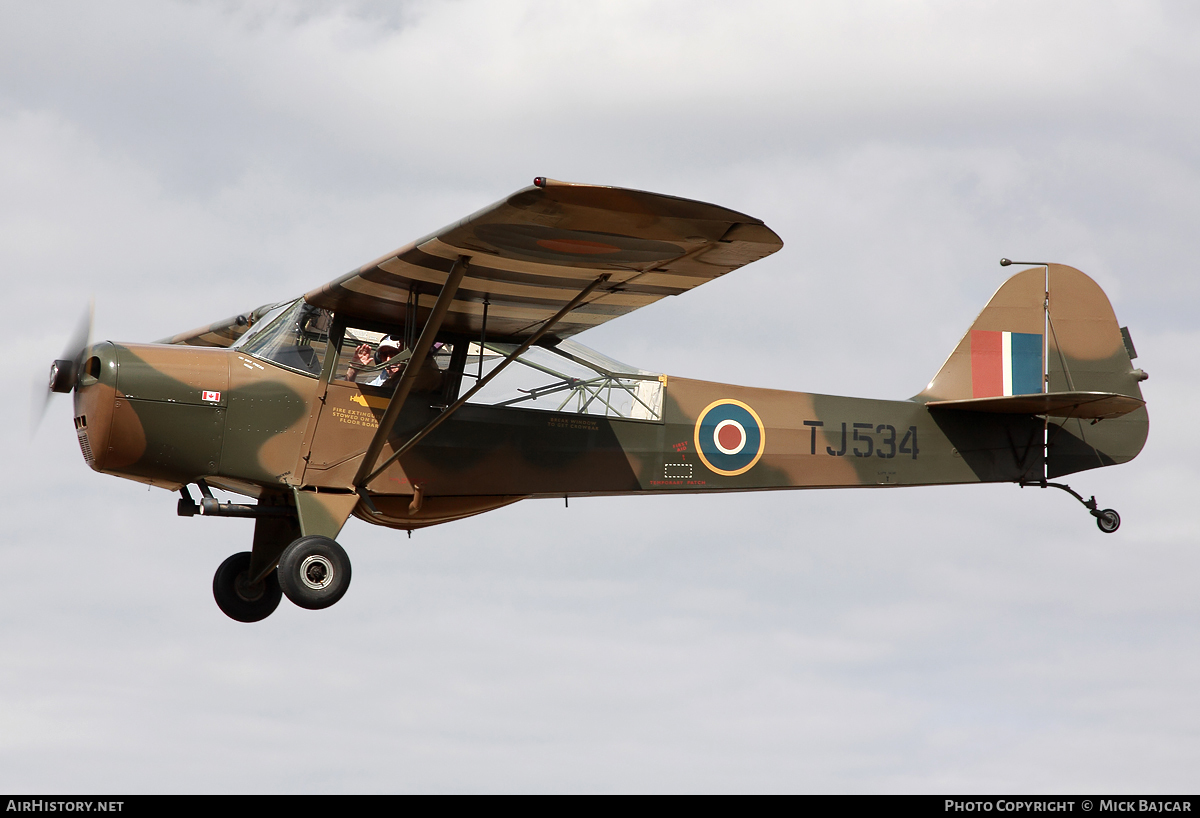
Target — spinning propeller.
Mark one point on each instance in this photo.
(64, 372)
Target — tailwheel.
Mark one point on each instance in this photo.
(240, 599)
(314, 572)
(1108, 520)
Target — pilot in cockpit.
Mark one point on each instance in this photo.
(367, 359)
(387, 363)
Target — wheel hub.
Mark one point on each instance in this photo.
(247, 590)
(316, 572)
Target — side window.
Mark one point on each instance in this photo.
(379, 359)
(567, 377)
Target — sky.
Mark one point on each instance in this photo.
(182, 162)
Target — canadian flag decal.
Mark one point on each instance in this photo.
(214, 397)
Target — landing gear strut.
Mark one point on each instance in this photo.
(312, 571)
(1107, 520)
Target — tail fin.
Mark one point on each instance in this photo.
(1049, 334)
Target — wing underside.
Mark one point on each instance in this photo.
(528, 255)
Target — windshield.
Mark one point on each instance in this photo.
(260, 323)
(296, 338)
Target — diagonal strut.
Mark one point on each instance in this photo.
(452, 408)
(415, 362)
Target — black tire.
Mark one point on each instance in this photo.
(1108, 521)
(240, 600)
(314, 572)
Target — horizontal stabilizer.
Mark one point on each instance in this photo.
(1086, 405)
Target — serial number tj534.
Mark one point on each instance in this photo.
(864, 440)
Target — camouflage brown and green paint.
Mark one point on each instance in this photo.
(173, 414)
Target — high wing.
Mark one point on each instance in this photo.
(530, 254)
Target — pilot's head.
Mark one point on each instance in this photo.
(388, 347)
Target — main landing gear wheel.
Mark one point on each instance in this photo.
(314, 572)
(240, 599)
(1108, 520)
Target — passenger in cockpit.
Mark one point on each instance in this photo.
(429, 379)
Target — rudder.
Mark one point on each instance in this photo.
(1051, 329)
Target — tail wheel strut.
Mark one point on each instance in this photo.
(1107, 520)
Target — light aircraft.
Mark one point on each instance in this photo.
(440, 381)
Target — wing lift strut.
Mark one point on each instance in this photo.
(366, 473)
(210, 506)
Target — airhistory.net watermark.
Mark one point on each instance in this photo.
(42, 805)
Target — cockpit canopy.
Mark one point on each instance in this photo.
(565, 376)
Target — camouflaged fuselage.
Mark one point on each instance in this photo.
(171, 415)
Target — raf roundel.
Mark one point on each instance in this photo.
(729, 437)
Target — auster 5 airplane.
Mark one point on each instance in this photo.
(388, 393)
